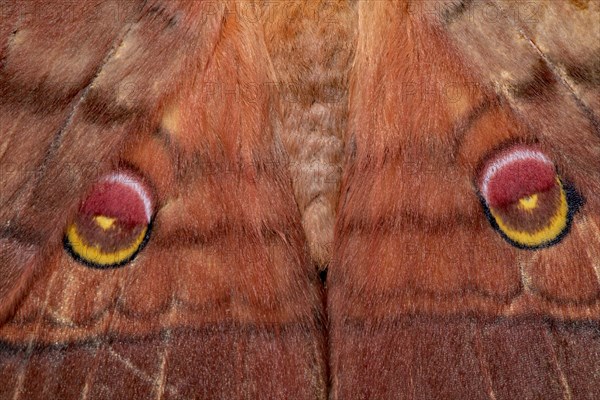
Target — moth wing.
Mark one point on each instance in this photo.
(426, 300)
(222, 300)
(44, 72)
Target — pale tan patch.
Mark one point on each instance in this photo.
(170, 121)
(318, 224)
(312, 47)
(124, 47)
(460, 100)
(497, 62)
(19, 38)
(524, 261)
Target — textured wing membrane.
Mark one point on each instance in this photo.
(554, 101)
(421, 127)
(425, 299)
(41, 82)
(554, 85)
(420, 357)
(224, 290)
(565, 35)
(101, 102)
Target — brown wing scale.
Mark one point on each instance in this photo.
(425, 299)
(223, 292)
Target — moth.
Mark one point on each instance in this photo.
(300, 199)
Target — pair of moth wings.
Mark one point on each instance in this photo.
(177, 176)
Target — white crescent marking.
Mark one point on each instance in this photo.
(133, 183)
(499, 164)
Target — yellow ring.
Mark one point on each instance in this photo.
(556, 226)
(95, 255)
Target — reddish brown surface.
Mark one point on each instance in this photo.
(235, 362)
(425, 300)
(464, 358)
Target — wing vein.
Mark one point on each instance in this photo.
(551, 342)
(585, 108)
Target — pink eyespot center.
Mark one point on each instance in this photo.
(524, 198)
(116, 199)
(516, 174)
(518, 180)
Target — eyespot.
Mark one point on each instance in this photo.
(113, 223)
(525, 199)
